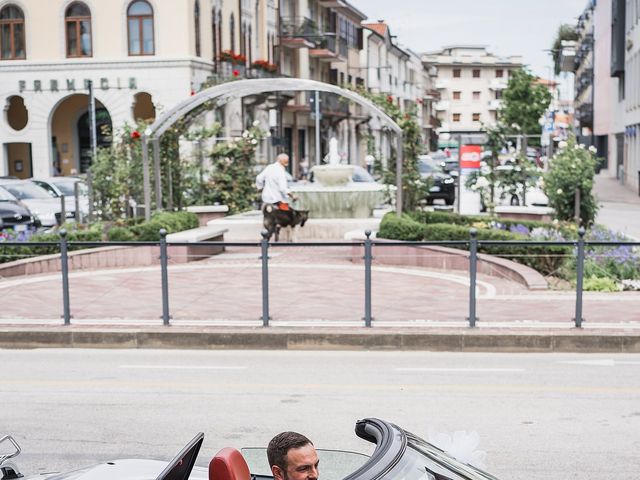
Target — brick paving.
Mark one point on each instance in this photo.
(309, 285)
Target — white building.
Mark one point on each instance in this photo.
(470, 81)
(139, 55)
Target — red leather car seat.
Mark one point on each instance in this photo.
(228, 464)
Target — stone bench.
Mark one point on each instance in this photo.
(208, 212)
(542, 214)
(195, 235)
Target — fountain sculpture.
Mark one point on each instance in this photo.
(334, 194)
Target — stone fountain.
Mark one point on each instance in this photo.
(334, 194)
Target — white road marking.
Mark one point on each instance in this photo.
(605, 362)
(184, 367)
(462, 370)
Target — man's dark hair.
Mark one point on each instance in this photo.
(280, 445)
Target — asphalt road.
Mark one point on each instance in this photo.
(539, 416)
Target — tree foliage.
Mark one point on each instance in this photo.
(565, 32)
(524, 102)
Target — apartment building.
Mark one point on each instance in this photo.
(470, 81)
(615, 25)
(138, 57)
(583, 79)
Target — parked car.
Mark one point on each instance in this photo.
(15, 214)
(38, 200)
(59, 186)
(443, 185)
(398, 454)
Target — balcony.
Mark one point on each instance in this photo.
(498, 84)
(329, 49)
(442, 84)
(495, 105)
(298, 32)
(441, 106)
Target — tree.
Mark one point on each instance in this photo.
(524, 102)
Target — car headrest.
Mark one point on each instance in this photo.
(229, 464)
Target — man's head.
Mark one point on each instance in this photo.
(283, 159)
(292, 456)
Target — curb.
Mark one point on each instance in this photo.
(305, 339)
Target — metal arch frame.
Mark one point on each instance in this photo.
(227, 92)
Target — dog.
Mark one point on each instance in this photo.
(274, 219)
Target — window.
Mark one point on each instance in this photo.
(216, 34)
(78, 30)
(12, 45)
(196, 20)
(456, 117)
(456, 73)
(476, 117)
(498, 94)
(232, 33)
(499, 73)
(476, 73)
(140, 25)
(476, 96)
(456, 95)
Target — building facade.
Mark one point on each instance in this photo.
(470, 81)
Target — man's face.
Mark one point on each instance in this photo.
(302, 464)
(284, 161)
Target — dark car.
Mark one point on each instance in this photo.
(14, 214)
(443, 185)
(398, 454)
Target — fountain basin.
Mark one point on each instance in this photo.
(333, 174)
(354, 200)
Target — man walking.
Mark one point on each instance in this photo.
(273, 183)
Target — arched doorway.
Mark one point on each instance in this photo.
(70, 134)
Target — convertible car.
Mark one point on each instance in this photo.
(398, 454)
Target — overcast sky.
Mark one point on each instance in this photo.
(506, 27)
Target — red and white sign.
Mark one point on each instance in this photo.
(470, 156)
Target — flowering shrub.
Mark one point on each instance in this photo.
(231, 56)
(232, 179)
(620, 263)
(264, 65)
(571, 170)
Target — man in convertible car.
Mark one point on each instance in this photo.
(292, 456)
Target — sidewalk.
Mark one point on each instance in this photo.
(619, 205)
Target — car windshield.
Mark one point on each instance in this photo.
(427, 167)
(67, 187)
(27, 191)
(415, 466)
(6, 196)
(334, 464)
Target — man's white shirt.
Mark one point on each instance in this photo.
(273, 182)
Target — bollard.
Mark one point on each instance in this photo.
(579, 278)
(165, 277)
(473, 268)
(265, 278)
(367, 279)
(64, 267)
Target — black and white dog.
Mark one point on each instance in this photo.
(274, 219)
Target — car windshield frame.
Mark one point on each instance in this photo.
(6, 196)
(67, 187)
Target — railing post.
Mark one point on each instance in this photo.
(473, 268)
(64, 267)
(165, 277)
(367, 279)
(579, 278)
(265, 278)
(63, 210)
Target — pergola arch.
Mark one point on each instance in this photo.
(230, 91)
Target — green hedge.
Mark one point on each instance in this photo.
(400, 228)
(130, 230)
(545, 259)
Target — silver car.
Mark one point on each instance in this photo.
(48, 209)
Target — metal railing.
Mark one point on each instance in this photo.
(473, 244)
